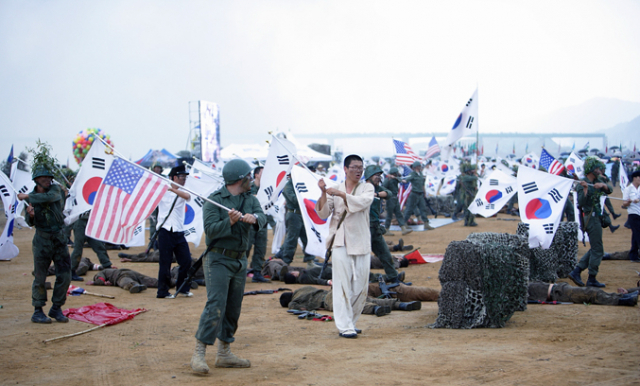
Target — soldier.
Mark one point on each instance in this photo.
(563, 292)
(45, 204)
(295, 228)
(417, 197)
(153, 218)
(372, 175)
(607, 203)
(257, 239)
(79, 228)
(469, 182)
(127, 279)
(225, 266)
(591, 212)
(393, 205)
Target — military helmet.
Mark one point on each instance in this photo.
(371, 170)
(393, 170)
(41, 171)
(415, 164)
(601, 166)
(590, 164)
(235, 170)
(464, 167)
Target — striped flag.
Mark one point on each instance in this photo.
(404, 189)
(404, 153)
(551, 164)
(433, 149)
(125, 198)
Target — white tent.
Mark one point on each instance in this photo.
(305, 153)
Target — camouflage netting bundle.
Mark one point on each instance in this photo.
(519, 244)
(444, 204)
(565, 243)
(482, 285)
(547, 265)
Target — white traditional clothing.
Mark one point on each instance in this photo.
(351, 253)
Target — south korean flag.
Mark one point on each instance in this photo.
(574, 165)
(541, 198)
(466, 124)
(22, 183)
(281, 158)
(495, 192)
(9, 200)
(85, 187)
(308, 192)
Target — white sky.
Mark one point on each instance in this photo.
(131, 67)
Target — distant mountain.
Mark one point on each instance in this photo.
(594, 115)
(626, 133)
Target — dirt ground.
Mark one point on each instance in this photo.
(545, 345)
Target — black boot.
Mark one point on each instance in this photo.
(616, 215)
(575, 277)
(409, 306)
(592, 282)
(75, 277)
(39, 316)
(630, 299)
(56, 313)
(258, 278)
(613, 228)
(379, 311)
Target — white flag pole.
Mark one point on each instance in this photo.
(296, 157)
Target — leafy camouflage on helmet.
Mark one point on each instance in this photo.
(44, 164)
(590, 164)
(371, 170)
(235, 170)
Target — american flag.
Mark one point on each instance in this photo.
(125, 198)
(551, 164)
(404, 153)
(404, 189)
(433, 149)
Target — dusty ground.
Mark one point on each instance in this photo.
(550, 345)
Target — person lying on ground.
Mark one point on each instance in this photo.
(564, 292)
(127, 279)
(84, 266)
(310, 298)
(622, 255)
(151, 257)
(405, 293)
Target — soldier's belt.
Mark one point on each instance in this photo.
(47, 235)
(293, 210)
(229, 253)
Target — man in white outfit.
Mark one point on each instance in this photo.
(351, 243)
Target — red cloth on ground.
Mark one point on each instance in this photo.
(100, 313)
(416, 257)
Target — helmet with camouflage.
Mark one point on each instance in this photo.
(235, 170)
(471, 168)
(41, 171)
(464, 167)
(601, 166)
(371, 170)
(590, 164)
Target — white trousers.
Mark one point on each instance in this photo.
(350, 285)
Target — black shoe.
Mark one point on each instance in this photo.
(613, 228)
(258, 278)
(75, 277)
(606, 256)
(358, 331)
(137, 288)
(56, 313)
(39, 316)
(616, 215)
(194, 285)
(349, 336)
(630, 299)
(454, 217)
(400, 245)
(592, 282)
(409, 306)
(82, 270)
(379, 311)
(407, 247)
(575, 277)
(473, 224)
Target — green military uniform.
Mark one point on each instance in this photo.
(125, 279)
(49, 244)
(226, 264)
(79, 228)
(378, 244)
(393, 205)
(416, 197)
(469, 190)
(295, 227)
(257, 239)
(592, 220)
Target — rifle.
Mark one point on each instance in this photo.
(384, 287)
(194, 268)
(554, 302)
(265, 292)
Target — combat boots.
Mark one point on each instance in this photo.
(226, 358)
(56, 313)
(409, 306)
(198, 362)
(39, 316)
(630, 299)
(405, 230)
(75, 277)
(592, 282)
(575, 276)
